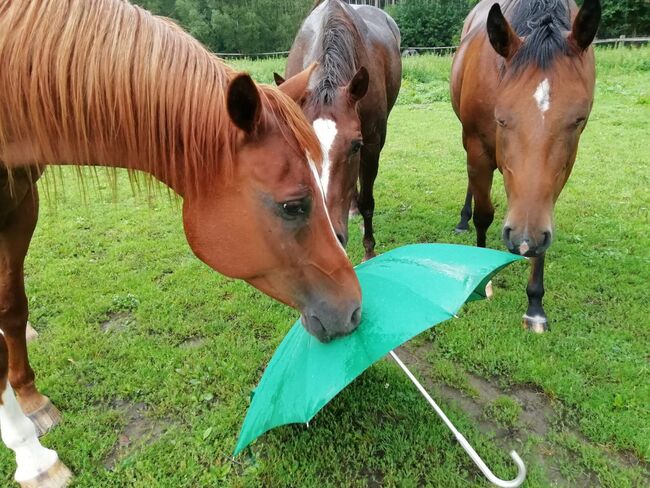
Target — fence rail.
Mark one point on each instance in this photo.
(617, 41)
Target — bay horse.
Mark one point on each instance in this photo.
(522, 85)
(349, 59)
(107, 83)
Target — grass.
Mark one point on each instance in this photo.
(194, 343)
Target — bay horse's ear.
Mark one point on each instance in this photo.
(296, 87)
(504, 40)
(358, 86)
(278, 79)
(586, 24)
(244, 103)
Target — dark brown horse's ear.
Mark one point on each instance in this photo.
(358, 86)
(296, 86)
(586, 24)
(278, 79)
(244, 103)
(503, 39)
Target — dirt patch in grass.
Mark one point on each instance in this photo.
(139, 430)
(117, 321)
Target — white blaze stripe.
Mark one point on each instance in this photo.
(543, 96)
(326, 132)
(19, 435)
(314, 171)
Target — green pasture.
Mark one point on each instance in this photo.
(151, 356)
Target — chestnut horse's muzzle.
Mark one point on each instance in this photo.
(528, 244)
(326, 322)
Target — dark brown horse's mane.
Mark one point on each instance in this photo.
(339, 59)
(543, 24)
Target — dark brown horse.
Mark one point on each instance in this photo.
(106, 83)
(345, 70)
(522, 86)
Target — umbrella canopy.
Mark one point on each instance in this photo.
(405, 292)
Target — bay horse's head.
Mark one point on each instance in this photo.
(542, 105)
(267, 222)
(333, 113)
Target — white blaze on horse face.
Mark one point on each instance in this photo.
(326, 132)
(543, 96)
(314, 172)
(19, 435)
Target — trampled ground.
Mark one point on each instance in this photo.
(151, 356)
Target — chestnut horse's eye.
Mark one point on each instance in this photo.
(356, 146)
(580, 120)
(501, 122)
(294, 209)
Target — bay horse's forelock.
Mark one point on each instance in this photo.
(108, 83)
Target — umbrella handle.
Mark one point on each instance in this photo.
(521, 474)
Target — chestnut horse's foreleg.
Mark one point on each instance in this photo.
(465, 213)
(15, 235)
(480, 170)
(36, 465)
(366, 202)
(535, 318)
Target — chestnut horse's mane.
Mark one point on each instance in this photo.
(107, 82)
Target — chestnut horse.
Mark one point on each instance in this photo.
(349, 58)
(107, 83)
(523, 86)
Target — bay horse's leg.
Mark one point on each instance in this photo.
(15, 235)
(37, 467)
(465, 213)
(366, 201)
(535, 318)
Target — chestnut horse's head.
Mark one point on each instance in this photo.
(333, 113)
(542, 106)
(267, 222)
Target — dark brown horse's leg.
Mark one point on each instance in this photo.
(465, 213)
(366, 201)
(535, 318)
(15, 235)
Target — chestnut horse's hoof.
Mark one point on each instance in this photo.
(30, 333)
(57, 476)
(489, 291)
(44, 417)
(537, 324)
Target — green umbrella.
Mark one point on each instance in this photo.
(405, 291)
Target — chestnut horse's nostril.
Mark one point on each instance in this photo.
(506, 237)
(342, 239)
(355, 320)
(548, 237)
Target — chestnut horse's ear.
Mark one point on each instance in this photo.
(278, 79)
(504, 40)
(358, 86)
(296, 87)
(586, 24)
(244, 103)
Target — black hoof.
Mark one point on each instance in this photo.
(460, 228)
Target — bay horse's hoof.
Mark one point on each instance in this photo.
(489, 291)
(45, 417)
(30, 333)
(57, 476)
(536, 324)
(369, 256)
(461, 228)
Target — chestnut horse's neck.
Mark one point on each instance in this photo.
(108, 83)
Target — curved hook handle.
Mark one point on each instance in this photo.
(521, 467)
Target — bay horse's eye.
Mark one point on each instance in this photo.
(294, 209)
(356, 146)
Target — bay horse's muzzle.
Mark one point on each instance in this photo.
(528, 244)
(325, 322)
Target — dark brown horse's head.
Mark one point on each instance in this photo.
(268, 223)
(543, 103)
(338, 128)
